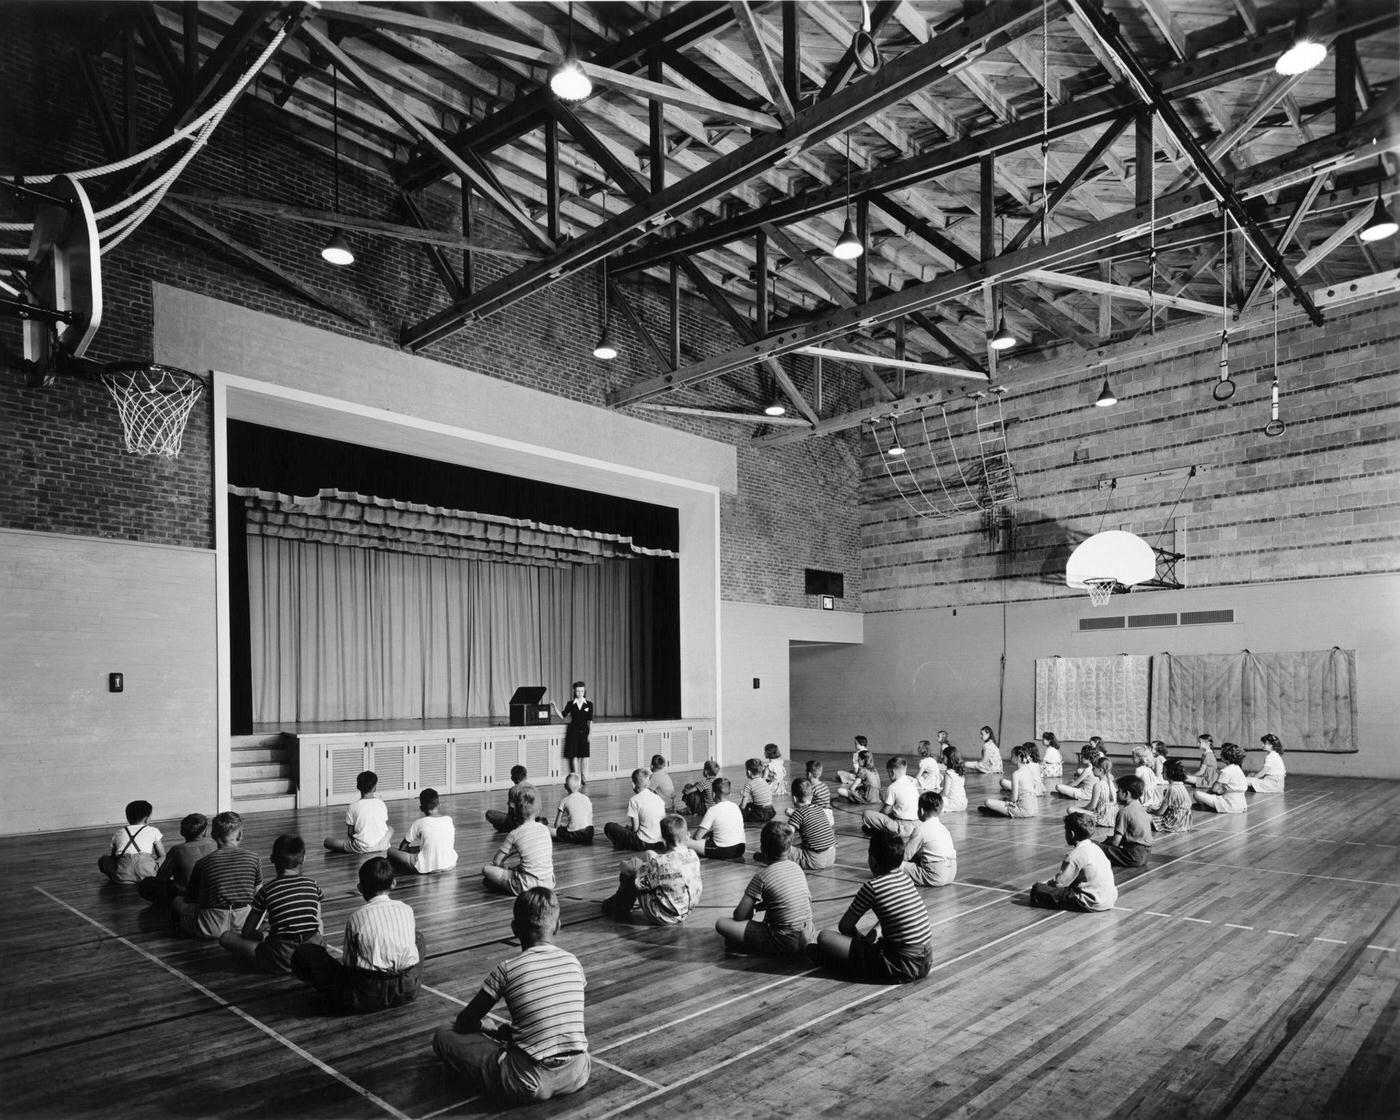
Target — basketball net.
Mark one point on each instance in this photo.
(154, 403)
(1100, 589)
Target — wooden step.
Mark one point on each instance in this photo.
(255, 755)
(265, 741)
(261, 787)
(258, 771)
(283, 802)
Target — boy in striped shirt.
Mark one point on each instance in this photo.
(222, 884)
(292, 905)
(756, 800)
(902, 951)
(531, 844)
(814, 839)
(543, 1051)
(780, 890)
(380, 958)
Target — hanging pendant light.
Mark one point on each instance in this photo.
(337, 250)
(775, 407)
(1106, 398)
(605, 350)
(567, 80)
(895, 451)
(1381, 225)
(1002, 338)
(849, 246)
(1306, 51)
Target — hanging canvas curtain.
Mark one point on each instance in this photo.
(1306, 698)
(1076, 697)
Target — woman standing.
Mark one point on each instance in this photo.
(579, 712)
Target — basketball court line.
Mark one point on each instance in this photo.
(879, 991)
(238, 1011)
(1304, 874)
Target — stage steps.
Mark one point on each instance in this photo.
(262, 775)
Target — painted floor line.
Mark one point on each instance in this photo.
(250, 1020)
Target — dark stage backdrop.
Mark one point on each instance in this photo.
(290, 463)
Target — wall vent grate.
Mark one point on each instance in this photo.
(1205, 618)
(1138, 620)
(1115, 623)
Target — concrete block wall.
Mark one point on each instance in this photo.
(60, 457)
(1323, 499)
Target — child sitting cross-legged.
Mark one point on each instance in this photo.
(642, 832)
(573, 821)
(292, 905)
(174, 875)
(775, 770)
(542, 1052)
(366, 820)
(530, 843)
(660, 783)
(1174, 814)
(431, 843)
(380, 964)
(1085, 880)
(1132, 830)
(720, 834)
(864, 789)
(902, 950)
(664, 884)
(929, 856)
(136, 848)
(814, 836)
(222, 884)
(756, 800)
(699, 796)
(821, 792)
(899, 812)
(780, 890)
(508, 819)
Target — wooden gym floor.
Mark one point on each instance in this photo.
(1250, 971)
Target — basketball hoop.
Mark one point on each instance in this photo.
(154, 403)
(1100, 589)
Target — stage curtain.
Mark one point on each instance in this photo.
(1076, 697)
(1306, 698)
(343, 633)
(353, 520)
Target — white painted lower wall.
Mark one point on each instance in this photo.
(73, 610)
(918, 671)
(758, 641)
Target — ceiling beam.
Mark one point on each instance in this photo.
(638, 86)
(1250, 57)
(1120, 291)
(1151, 93)
(1375, 133)
(767, 68)
(983, 32)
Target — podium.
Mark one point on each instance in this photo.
(525, 707)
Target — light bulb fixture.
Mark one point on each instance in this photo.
(337, 250)
(605, 350)
(567, 80)
(1275, 426)
(1002, 338)
(848, 247)
(1106, 397)
(895, 451)
(1381, 225)
(1304, 54)
(775, 407)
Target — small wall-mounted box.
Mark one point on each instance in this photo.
(116, 682)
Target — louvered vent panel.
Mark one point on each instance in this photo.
(467, 763)
(432, 765)
(1204, 618)
(1101, 623)
(346, 764)
(1138, 620)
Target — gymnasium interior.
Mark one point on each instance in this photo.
(786, 370)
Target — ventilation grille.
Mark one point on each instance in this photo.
(1101, 623)
(1137, 620)
(1203, 618)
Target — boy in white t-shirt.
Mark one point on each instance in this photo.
(900, 811)
(366, 820)
(573, 822)
(720, 834)
(431, 841)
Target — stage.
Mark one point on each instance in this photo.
(473, 754)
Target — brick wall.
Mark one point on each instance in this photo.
(60, 457)
(1323, 499)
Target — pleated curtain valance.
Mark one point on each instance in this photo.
(364, 521)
